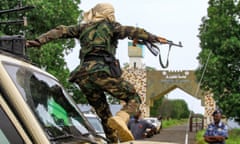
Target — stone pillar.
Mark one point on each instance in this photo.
(210, 106)
(137, 77)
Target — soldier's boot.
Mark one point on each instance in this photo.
(119, 122)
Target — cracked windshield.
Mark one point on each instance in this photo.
(48, 101)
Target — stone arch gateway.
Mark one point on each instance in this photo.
(151, 85)
(160, 83)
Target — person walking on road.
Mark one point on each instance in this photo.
(99, 71)
(217, 132)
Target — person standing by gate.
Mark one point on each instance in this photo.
(217, 132)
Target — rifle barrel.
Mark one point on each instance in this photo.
(179, 44)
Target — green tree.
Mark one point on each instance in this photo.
(180, 109)
(166, 108)
(154, 110)
(220, 41)
(45, 16)
(176, 109)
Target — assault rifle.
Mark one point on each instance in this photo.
(155, 49)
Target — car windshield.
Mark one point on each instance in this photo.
(54, 109)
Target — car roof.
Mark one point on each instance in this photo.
(19, 60)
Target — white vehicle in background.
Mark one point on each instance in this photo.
(96, 123)
(154, 121)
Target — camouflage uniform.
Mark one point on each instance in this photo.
(93, 74)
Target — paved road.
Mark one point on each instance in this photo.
(176, 134)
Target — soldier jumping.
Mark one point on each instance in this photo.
(99, 71)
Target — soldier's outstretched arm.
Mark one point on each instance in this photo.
(56, 33)
(46, 37)
(131, 32)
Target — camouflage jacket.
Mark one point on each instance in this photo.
(116, 32)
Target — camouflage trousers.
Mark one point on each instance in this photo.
(94, 85)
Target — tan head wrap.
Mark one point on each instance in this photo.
(99, 12)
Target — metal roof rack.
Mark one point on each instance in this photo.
(14, 44)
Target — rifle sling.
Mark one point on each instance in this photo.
(155, 50)
(160, 59)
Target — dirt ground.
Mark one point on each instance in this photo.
(175, 134)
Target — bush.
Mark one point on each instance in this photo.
(176, 109)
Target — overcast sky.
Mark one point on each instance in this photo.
(176, 20)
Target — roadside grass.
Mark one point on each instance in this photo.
(199, 137)
(173, 122)
(234, 137)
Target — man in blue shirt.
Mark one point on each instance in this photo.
(138, 126)
(217, 132)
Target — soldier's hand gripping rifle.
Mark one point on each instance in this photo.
(156, 51)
